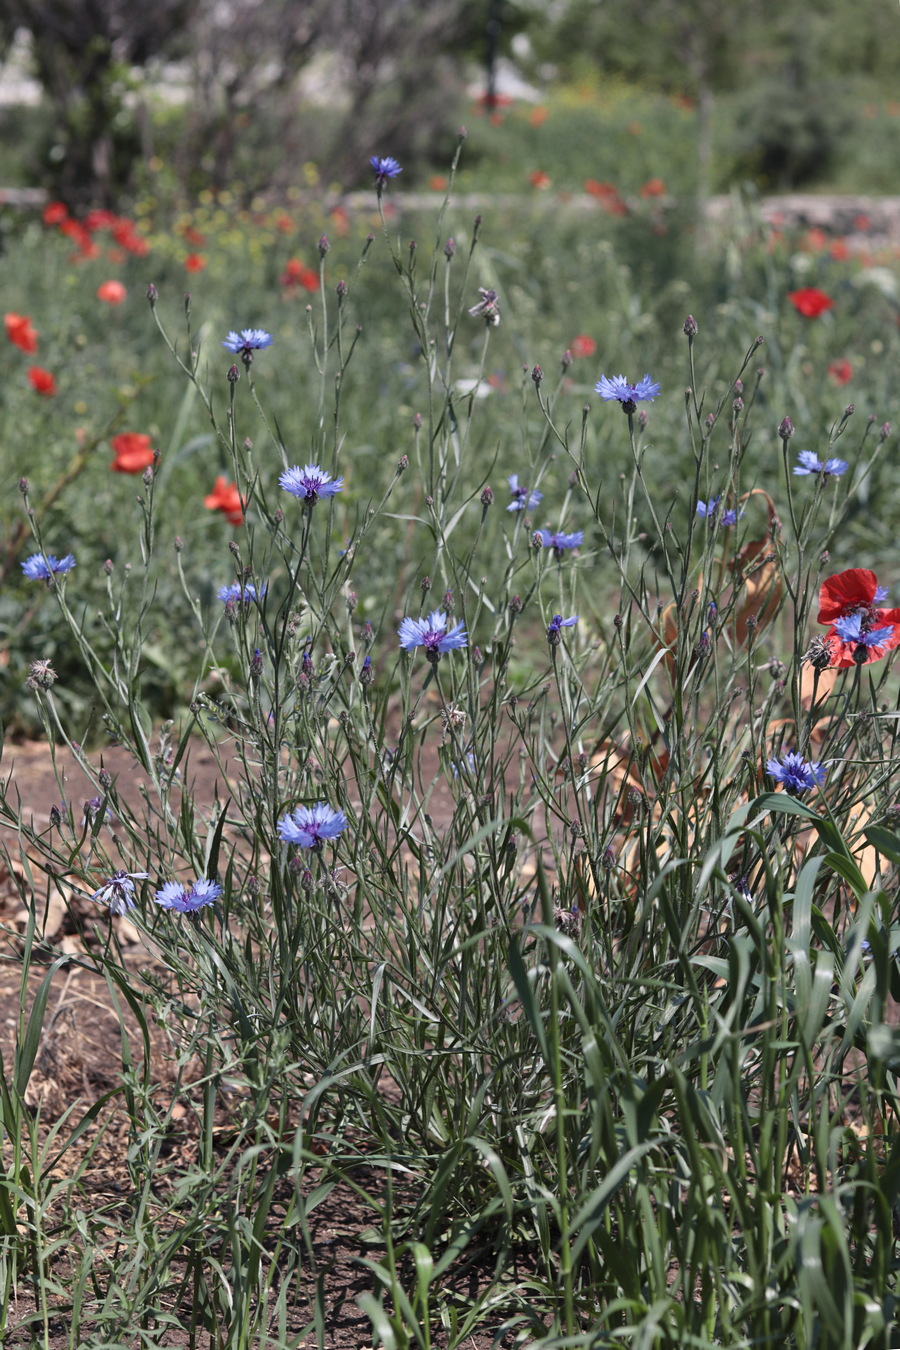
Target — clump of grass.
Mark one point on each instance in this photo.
(500, 927)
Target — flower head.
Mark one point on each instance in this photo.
(795, 772)
(385, 167)
(21, 332)
(710, 511)
(582, 345)
(41, 381)
(809, 462)
(555, 626)
(523, 498)
(41, 567)
(841, 371)
(616, 387)
(488, 307)
(174, 896)
(310, 826)
(133, 451)
(861, 630)
(310, 483)
(810, 302)
(433, 633)
(226, 498)
(242, 592)
(118, 891)
(246, 342)
(558, 541)
(297, 275)
(112, 292)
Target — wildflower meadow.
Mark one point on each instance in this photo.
(464, 645)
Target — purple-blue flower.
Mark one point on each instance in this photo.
(41, 567)
(795, 772)
(523, 498)
(174, 896)
(385, 167)
(558, 541)
(809, 462)
(118, 891)
(310, 826)
(881, 594)
(709, 511)
(629, 395)
(556, 624)
(247, 341)
(432, 633)
(850, 629)
(243, 591)
(310, 482)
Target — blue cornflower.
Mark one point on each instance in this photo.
(850, 629)
(174, 896)
(41, 567)
(385, 167)
(881, 594)
(794, 772)
(809, 462)
(243, 591)
(523, 498)
(310, 483)
(118, 891)
(433, 634)
(629, 395)
(556, 624)
(310, 826)
(709, 511)
(558, 541)
(247, 341)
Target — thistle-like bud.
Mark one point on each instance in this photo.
(487, 496)
(152, 294)
(690, 327)
(537, 375)
(786, 429)
(450, 248)
(233, 375)
(323, 245)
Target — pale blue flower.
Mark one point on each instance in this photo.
(385, 167)
(523, 498)
(41, 567)
(118, 891)
(558, 541)
(809, 462)
(310, 483)
(247, 341)
(174, 896)
(556, 624)
(794, 772)
(310, 826)
(241, 591)
(616, 387)
(433, 633)
(850, 629)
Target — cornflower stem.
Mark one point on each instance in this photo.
(559, 1105)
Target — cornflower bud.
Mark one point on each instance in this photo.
(233, 375)
(152, 294)
(403, 463)
(23, 486)
(108, 566)
(323, 245)
(425, 585)
(884, 432)
(450, 248)
(690, 327)
(786, 429)
(642, 419)
(537, 375)
(487, 496)
(515, 605)
(341, 289)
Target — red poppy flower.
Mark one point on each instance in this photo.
(810, 302)
(226, 498)
(582, 345)
(21, 333)
(839, 250)
(607, 195)
(841, 371)
(860, 632)
(134, 452)
(814, 240)
(296, 274)
(538, 116)
(54, 213)
(194, 262)
(438, 183)
(654, 187)
(112, 292)
(42, 381)
(538, 179)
